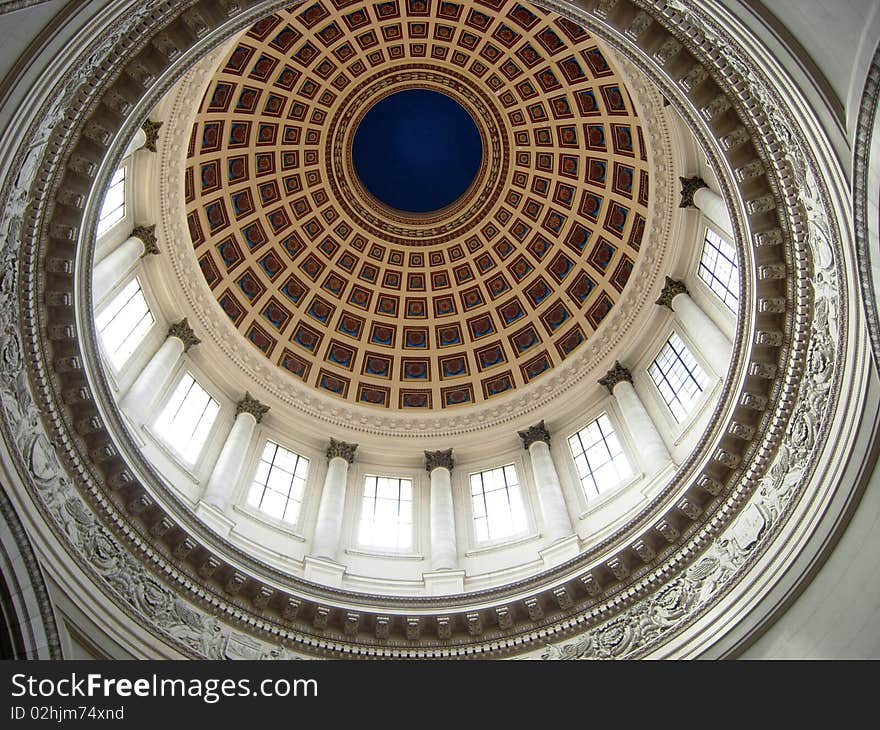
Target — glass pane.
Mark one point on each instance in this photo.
(124, 323)
(276, 468)
(719, 268)
(386, 513)
(497, 504)
(678, 377)
(255, 495)
(113, 207)
(598, 457)
(186, 420)
(273, 504)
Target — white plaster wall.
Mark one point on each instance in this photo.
(28, 22)
(837, 615)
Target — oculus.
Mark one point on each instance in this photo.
(417, 151)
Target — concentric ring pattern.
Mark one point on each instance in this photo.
(397, 310)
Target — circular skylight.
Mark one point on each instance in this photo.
(417, 151)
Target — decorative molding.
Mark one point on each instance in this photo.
(147, 234)
(342, 450)
(538, 432)
(22, 553)
(617, 374)
(151, 130)
(671, 289)
(867, 230)
(251, 405)
(689, 187)
(438, 459)
(183, 332)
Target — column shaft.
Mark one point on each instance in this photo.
(651, 448)
(557, 522)
(228, 466)
(444, 553)
(328, 528)
(143, 392)
(713, 343)
(110, 270)
(137, 142)
(712, 206)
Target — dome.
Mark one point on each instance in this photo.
(395, 328)
(442, 309)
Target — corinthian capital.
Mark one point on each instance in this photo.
(183, 332)
(617, 374)
(147, 234)
(689, 186)
(671, 290)
(437, 459)
(151, 130)
(538, 432)
(342, 450)
(251, 405)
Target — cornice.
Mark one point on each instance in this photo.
(866, 251)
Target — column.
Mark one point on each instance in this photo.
(698, 325)
(444, 553)
(152, 379)
(137, 142)
(248, 413)
(145, 138)
(695, 193)
(557, 522)
(111, 269)
(652, 451)
(328, 528)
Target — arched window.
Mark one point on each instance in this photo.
(124, 323)
(498, 507)
(386, 513)
(279, 483)
(598, 456)
(186, 420)
(678, 376)
(719, 268)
